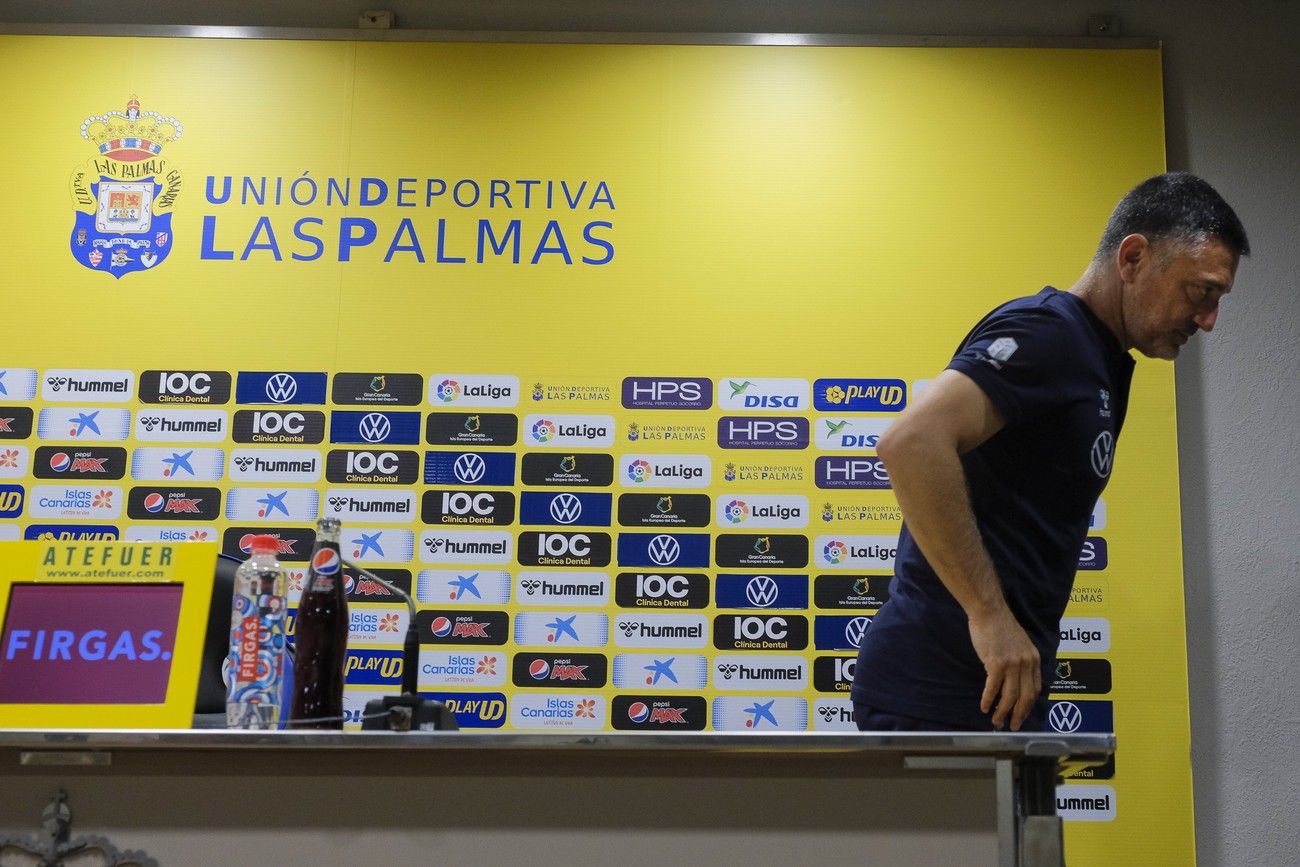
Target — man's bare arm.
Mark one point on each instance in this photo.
(922, 451)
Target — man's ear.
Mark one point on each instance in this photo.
(1133, 253)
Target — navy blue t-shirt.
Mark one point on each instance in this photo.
(1060, 380)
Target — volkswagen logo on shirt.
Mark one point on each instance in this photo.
(1103, 452)
(1065, 717)
(469, 468)
(281, 388)
(375, 427)
(664, 550)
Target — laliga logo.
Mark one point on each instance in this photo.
(448, 390)
(544, 431)
(835, 552)
(125, 193)
(737, 511)
(639, 471)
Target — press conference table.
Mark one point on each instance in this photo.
(199, 797)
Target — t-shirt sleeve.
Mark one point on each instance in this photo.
(1020, 359)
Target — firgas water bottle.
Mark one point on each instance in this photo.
(257, 640)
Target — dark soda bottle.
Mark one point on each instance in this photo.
(321, 636)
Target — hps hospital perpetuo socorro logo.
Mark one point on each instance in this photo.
(124, 195)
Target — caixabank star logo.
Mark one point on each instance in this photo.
(124, 195)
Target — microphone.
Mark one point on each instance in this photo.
(408, 711)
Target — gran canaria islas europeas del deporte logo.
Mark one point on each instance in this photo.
(124, 195)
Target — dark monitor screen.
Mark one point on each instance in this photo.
(88, 643)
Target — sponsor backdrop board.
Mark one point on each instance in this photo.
(590, 346)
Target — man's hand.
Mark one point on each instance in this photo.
(1012, 663)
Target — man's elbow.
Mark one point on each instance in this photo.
(896, 444)
(904, 445)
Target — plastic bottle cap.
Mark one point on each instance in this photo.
(264, 545)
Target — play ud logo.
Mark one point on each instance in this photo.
(124, 195)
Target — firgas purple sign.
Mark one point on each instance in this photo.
(88, 643)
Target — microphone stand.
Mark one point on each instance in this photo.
(408, 711)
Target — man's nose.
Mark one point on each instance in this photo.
(1206, 320)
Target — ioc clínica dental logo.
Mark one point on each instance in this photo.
(125, 193)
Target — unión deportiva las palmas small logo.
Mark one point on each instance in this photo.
(124, 195)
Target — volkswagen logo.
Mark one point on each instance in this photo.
(469, 468)
(281, 388)
(1065, 717)
(855, 629)
(664, 550)
(1103, 452)
(760, 591)
(375, 427)
(566, 508)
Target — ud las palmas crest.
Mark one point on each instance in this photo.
(124, 195)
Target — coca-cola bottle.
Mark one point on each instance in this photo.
(321, 636)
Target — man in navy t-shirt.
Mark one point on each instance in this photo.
(998, 464)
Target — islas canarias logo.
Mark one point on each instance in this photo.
(124, 195)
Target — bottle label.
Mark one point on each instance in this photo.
(321, 584)
(248, 646)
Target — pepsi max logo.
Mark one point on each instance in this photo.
(293, 544)
(16, 423)
(57, 462)
(187, 504)
(463, 627)
(326, 561)
(659, 713)
(562, 670)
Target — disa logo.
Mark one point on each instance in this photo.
(124, 195)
